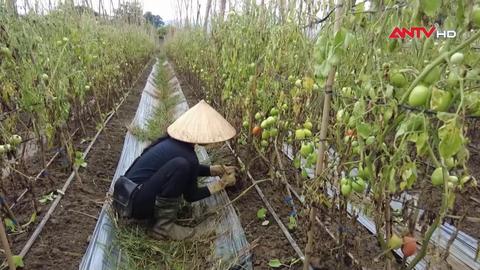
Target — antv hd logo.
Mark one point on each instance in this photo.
(420, 32)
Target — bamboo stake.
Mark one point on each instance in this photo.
(6, 247)
(323, 136)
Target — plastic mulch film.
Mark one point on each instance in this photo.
(232, 248)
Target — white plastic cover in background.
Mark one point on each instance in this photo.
(232, 247)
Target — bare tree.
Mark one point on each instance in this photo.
(207, 13)
(197, 21)
(222, 9)
(282, 10)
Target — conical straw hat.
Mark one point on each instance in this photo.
(201, 124)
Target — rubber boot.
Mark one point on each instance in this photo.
(165, 216)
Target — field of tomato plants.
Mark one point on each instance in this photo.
(65, 80)
(371, 142)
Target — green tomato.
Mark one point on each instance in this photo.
(453, 79)
(265, 135)
(457, 58)
(476, 16)
(44, 77)
(5, 51)
(271, 120)
(308, 133)
(433, 76)
(3, 149)
(273, 132)
(245, 124)
(285, 106)
(258, 116)
(274, 111)
(364, 172)
(437, 177)
(358, 185)
(264, 143)
(308, 125)
(344, 181)
(306, 149)
(453, 179)
(370, 140)
(440, 100)
(346, 190)
(299, 134)
(264, 124)
(394, 242)
(315, 87)
(418, 96)
(398, 80)
(8, 147)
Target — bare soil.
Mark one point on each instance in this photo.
(66, 235)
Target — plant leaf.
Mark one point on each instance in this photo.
(262, 213)
(9, 224)
(18, 260)
(430, 7)
(275, 263)
(363, 130)
(451, 139)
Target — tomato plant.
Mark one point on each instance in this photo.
(400, 105)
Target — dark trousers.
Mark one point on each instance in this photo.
(170, 181)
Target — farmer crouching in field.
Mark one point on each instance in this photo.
(168, 169)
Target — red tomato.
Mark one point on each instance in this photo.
(350, 132)
(409, 246)
(256, 130)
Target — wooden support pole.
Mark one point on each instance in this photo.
(323, 137)
(6, 247)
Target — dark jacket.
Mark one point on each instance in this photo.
(159, 153)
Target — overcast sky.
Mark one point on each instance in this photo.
(165, 8)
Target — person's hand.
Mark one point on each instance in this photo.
(220, 170)
(229, 179)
